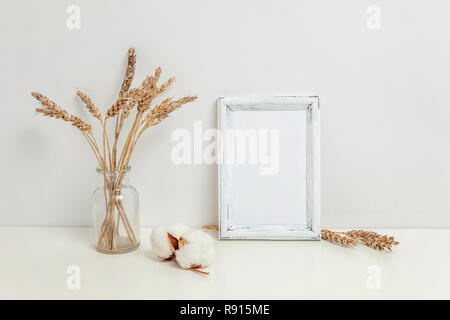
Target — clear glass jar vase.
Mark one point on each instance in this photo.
(115, 206)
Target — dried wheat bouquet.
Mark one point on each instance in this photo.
(136, 104)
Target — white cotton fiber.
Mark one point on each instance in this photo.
(191, 248)
(160, 243)
(177, 230)
(196, 251)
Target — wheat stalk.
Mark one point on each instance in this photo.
(336, 238)
(128, 79)
(51, 109)
(354, 237)
(124, 95)
(162, 111)
(372, 239)
(129, 73)
(90, 106)
(150, 91)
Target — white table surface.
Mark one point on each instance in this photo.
(34, 261)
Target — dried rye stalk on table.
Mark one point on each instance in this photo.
(108, 154)
(354, 237)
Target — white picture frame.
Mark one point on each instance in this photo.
(248, 204)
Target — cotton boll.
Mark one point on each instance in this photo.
(161, 244)
(196, 250)
(177, 230)
(189, 256)
(165, 240)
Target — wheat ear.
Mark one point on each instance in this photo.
(336, 238)
(354, 237)
(90, 106)
(97, 114)
(51, 109)
(128, 79)
(372, 239)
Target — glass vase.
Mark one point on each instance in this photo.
(115, 205)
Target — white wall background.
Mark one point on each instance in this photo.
(385, 101)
